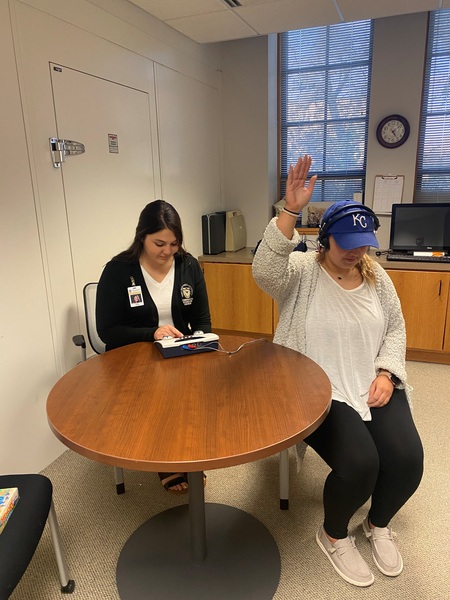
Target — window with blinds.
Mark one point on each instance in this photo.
(433, 164)
(324, 105)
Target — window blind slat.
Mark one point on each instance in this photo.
(325, 90)
(433, 165)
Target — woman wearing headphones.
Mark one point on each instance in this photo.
(339, 307)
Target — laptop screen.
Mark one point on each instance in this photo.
(420, 228)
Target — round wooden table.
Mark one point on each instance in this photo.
(132, 408)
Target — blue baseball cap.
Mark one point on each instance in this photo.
(353, 225)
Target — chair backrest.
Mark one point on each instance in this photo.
(90, 295)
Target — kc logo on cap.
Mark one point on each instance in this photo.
(360, 220)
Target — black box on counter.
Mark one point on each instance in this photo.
(213, 232)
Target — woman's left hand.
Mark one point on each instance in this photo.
(297, 193)
(380, 392)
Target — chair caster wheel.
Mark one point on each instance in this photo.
(69, 587)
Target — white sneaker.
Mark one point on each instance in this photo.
(384, 549)
(346, 559)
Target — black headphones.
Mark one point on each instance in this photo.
(340, 213)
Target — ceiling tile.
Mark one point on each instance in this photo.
(207, 21)
(213, 27)
(172, 9)
(285, 15)
(256, 2)
(368, 9)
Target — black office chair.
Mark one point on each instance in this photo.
(20, 537)
(97, 345)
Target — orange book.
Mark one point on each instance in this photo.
(8, 500)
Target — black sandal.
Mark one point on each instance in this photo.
(168, 480)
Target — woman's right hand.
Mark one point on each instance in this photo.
(167, 331)
(298, 194)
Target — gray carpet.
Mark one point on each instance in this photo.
(95, 522)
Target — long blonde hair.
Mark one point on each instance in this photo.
(364, 266)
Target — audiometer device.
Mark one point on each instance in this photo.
(188, 344)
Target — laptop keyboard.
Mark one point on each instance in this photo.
(411, 258)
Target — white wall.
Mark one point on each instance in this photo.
(41, 307)
(397, 77)
(27, 359)
(249, 126)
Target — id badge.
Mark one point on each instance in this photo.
(135, 296)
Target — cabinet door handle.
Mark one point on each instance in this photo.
(440, 287)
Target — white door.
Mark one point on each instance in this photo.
(107, 186)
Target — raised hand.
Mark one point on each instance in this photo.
(297, 193)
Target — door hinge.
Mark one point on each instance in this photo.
(59, 149)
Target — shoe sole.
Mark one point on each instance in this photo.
(379, 567)
(345, 577)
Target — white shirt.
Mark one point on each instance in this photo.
(161, 293)
(344, 330)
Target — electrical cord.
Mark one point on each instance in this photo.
(305, 244)
(230, 352)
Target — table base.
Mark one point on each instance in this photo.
(243, 561)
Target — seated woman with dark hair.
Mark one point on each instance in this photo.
(152, 290)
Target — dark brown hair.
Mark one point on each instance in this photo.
(155, 216)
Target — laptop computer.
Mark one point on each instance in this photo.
(420, 232)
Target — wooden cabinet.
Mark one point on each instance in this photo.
(424, 296)
(235, 301)
(447, 331)
(238, 305)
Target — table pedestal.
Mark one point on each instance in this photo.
(242, 562)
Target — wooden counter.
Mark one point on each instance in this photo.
(238, 305)
(394, 265)
(243, 256)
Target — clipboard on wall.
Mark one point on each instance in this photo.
(388, 190)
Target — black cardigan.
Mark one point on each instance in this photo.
(119, 324)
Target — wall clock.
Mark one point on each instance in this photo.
(393, 131)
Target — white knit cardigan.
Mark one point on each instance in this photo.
(291, 279)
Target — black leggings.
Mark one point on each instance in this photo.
(382, 458)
